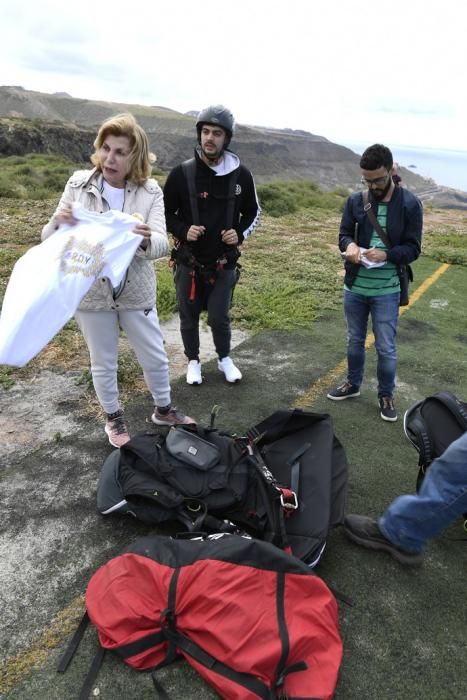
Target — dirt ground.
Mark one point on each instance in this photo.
(40, 406)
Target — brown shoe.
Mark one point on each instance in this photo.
(172, 417)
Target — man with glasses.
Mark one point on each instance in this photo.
(371, 283)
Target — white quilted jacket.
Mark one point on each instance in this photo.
(139, 289)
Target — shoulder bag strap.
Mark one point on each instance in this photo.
(367, 208)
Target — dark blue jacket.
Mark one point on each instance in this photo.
(404, 228)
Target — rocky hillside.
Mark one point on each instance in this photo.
(45, 123)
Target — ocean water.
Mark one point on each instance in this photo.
(448, 168)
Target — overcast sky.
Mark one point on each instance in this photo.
(353, 71)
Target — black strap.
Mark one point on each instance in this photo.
(283, 632)
(229, 217)
(422, 440)
(295, 476)
(375, 223)
(294, 464)
(73, 644)
(160, 690)
(178, 640)
(246, 680)
(92, 674)
(282, 669)
(139, 645)
(168, 620)
(189, 170)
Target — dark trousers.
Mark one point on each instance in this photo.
(215, 298)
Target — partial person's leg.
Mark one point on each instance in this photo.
(218, 311)
(100, 330)
(189, 311)
(356, 308)
(411, 520)
(143, 331)
(384, 316)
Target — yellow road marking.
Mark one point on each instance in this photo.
(322, 384)
(17, 666)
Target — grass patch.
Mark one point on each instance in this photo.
(34, 177)
(447, 247)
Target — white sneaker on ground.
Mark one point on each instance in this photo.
(232, 373)
(193, 372)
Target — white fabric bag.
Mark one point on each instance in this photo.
(49, 281)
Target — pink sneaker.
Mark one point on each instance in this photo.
(116, 429)
(172, 417)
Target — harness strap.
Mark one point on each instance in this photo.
(189, 170)
(192, 294)
(159, 689)
(92, 674)
(246, 680)
(139, 645)
(73, 644)
(231, 200)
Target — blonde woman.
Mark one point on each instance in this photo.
(121, 181)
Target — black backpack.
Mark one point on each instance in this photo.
(432, 425)
(285, 481)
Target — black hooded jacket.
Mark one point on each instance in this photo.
(212, 194)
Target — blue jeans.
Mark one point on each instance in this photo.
(411, 520)
(384, 310)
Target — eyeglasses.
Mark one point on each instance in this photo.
(377, 181)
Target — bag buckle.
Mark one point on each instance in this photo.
(291, 504)
(367, 206)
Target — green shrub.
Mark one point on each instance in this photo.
(282, 198)
(35, 176)
(276, 200)
(166, 300)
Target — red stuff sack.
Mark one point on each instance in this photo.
(254, 621)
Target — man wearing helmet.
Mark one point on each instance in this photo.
(211, 208)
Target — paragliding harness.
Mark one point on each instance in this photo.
(205, 275)
(283, 481)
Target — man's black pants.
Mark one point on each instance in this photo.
(216, 298)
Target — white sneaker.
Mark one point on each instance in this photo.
(193, 372)
(232, 373)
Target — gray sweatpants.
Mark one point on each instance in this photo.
(101, 332)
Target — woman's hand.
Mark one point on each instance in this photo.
(145, 231)
(65, 216)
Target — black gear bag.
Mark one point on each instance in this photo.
(285, 481)
(432, 425)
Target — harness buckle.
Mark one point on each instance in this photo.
(288, 494)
